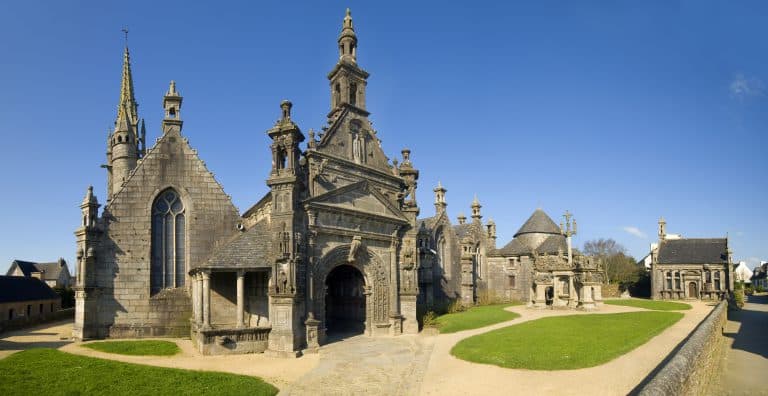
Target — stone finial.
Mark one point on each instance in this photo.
(90, 199)
(286, 106)
(172, 89)
(662, 228)
(462, 219)
(476, 216)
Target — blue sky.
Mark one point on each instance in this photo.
(619, 112)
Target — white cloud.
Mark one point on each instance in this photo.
(742, 87)
(635, 231)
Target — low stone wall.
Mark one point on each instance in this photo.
(23, 322)
(691, 369)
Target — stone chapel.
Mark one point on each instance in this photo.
(334, 246)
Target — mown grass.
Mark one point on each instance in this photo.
(650, 304)
(52, 372)
(136, 348)
(565, 342)
(475, 317)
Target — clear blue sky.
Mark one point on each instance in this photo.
(617, 111)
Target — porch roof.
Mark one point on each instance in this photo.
(249, 249)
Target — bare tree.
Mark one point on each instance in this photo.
(603, 249)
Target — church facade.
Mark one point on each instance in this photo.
(334, 246)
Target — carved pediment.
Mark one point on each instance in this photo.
(361, 198)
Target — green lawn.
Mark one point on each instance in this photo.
(565, 342)
(650, 304)
(52, 372)
(137, 348)
(475, 317)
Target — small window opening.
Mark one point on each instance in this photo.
(353, 94)
(172, 112)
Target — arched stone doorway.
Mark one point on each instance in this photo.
(693, 290)
(345, 300)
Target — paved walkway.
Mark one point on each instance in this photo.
(746, 362)
(406, 365)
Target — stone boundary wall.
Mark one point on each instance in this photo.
(692, 367)
(24, 322)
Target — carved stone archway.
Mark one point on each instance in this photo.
(375, 277)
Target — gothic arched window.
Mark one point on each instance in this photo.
(717, 280)
(168, 265)
(669, 281)
(443, 255)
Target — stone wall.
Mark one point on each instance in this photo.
(690, 369)
(21, 322)
(125, 306)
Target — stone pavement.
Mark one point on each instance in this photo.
(746, 362)
(370, 366)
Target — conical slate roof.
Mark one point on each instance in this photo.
(539, 223)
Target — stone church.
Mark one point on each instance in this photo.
(690, 268)
(335, 245)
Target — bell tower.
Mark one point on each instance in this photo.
(172, 107)
(123, 144)
(348, 80)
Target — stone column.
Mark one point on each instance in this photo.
(199, 298)
(196, 305)
(240, 298)
(206, 299)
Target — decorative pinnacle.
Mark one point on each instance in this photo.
(286, 106)
(348, 20)
(172, 89)
(475, 202)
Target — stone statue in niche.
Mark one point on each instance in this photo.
(353, 247)
(282, 282)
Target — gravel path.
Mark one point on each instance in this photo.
(747, 354)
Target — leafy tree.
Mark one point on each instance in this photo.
(604, 249)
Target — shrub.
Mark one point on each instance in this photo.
(67, 296)
(488, 297)
(738, 295)
(456, 306)
(429, 319)
(759, 288)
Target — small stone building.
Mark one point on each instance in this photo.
(55, 274)
(690, 268)
(26, 300)
(540, 267)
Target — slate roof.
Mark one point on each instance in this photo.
(21, 288)
(50, 271)
(539, 222)
(517, 246)
(462, 230)
(553, 244)
(694, 251)
(248, 249)
(513, 248)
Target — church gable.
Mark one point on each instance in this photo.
(170, 164)
(352, 138)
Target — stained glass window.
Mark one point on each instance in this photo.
(168, 265)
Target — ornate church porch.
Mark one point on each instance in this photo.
(230, 310)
